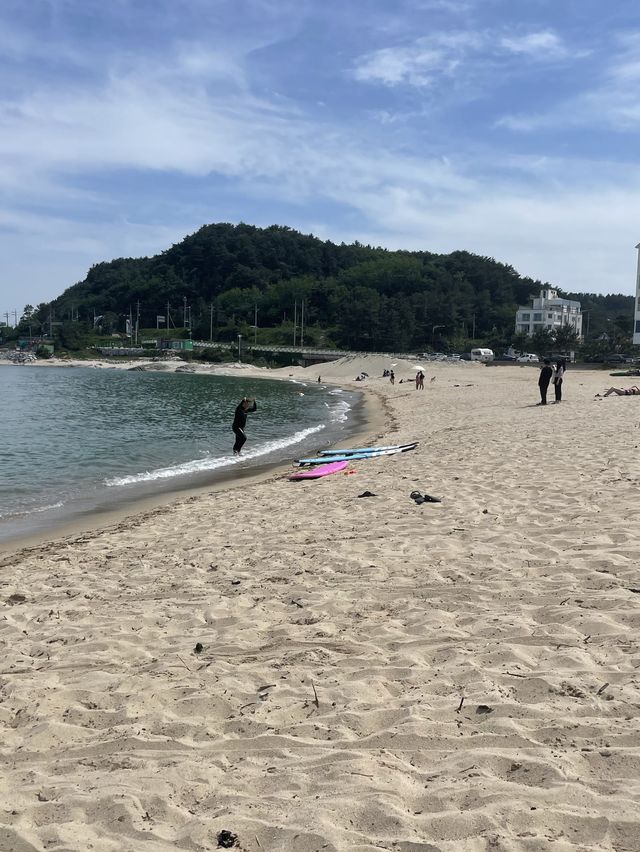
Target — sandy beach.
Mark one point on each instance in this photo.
(308, 669)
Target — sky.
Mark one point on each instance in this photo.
(508, 128)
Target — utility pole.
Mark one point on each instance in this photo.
(184, 307)
(636, 318)
(137, 320)
(168, 318)
(255, 323)
(302, 324)
(295, 320)
(211, 321)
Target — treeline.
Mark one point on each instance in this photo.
(220, 280)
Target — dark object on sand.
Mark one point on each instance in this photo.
(423, 498)
(199, 648)
(367, 494)
(227, 839)
(483, 709)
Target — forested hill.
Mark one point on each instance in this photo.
(355, 296)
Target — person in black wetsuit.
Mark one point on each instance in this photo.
(240, 421)
(543, 382)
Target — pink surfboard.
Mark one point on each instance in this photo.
(321, 470)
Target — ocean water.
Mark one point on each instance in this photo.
(79, 440)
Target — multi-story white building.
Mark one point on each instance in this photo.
(636, 324)
(548, 310)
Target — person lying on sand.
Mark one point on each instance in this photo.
(633, 391)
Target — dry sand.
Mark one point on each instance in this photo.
(374, 674)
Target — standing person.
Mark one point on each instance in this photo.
(558, 376)
(392, 377)
(543, 382)
(240, 421)
(420, 380)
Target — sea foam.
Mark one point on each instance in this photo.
(212, 462)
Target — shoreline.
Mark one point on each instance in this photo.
(366, 422)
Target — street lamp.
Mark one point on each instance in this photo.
(239, 346)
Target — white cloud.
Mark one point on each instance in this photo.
(579, 240)
(539, 45)
(418, 63)
(612, 103)
(460, 52)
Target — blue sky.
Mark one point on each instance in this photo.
(505, 127)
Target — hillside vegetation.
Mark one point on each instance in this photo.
(219, 280)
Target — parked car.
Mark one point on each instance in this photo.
(506, 357)
(615, 358)
(528, 358)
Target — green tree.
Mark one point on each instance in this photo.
(542, 341)
(566, 339)
(71, 336)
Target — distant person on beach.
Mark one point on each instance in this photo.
(633, 391)
(558, 376)
(240, 421)
(319, 379)
(392, 377)
(543, 382)
(419, 380)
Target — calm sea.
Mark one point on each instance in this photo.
(79, 440)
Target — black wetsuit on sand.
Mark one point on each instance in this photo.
(239, 422)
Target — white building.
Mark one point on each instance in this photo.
(552, 312)
(636, 324)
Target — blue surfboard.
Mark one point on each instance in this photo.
(368, 454)
(353, 451)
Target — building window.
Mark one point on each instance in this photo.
(525, 317)
(637, 326)
(537, 317)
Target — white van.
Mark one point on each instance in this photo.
(484, 355)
